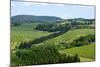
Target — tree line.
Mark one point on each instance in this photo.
(42, 54)
(52, 27)
(81, 41)
(62, 29)
(39, 40)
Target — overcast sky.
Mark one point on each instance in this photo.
(45, 9)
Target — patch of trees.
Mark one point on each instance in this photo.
(84, 26)
(58, 26)
(42, 54)
(39, 40)
(83, 40)
(81, 23)
(81, 19)
(61, 31)
(51, 27)
(15, 24)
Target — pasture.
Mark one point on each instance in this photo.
(84, 52)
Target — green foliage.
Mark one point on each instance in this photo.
(46, 43)
(42, 54)
(85, 26)
(66, 25)
(69, 36)
(86, 51)
(16, 24)
(83, 40)
(25, 32)
(52, 27)
(34, 19)
(39, 40)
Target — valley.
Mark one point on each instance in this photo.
(52, 40)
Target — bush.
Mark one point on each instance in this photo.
(16, 24)
(43, 54)
(83, 40)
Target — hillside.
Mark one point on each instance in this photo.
(43, 41)
(70, 35)
(87, 51)
(25, 32)
(32, 18)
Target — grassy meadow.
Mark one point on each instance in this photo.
(25, 32)
(70, 35)
(43, 33)
(87, 51)
(64, 41)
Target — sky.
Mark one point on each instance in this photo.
(58, 10)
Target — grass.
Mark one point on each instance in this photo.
(70, 35)
(86, 52)
(25, 32)
(83, 59)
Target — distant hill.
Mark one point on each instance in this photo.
(32, 18)
(81, 19)
(77, 20)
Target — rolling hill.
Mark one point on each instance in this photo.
(87, 51)
(32, 18)
(70, 35)
(43, 40)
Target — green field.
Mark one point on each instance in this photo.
(51, 34)
(25, 32)
(70, 35)
(86, 53)
(31, 45)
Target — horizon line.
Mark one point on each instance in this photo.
(50, 16)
